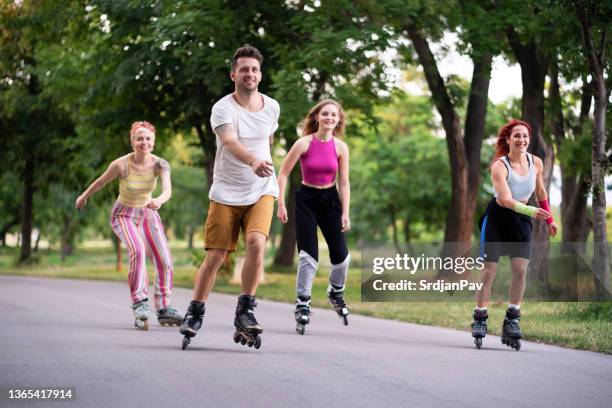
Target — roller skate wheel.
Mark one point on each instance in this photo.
(141, 324)
(345, 320)
(250, 343)
(300, 329)
(243, 340)
(186, 341)
(237, 337)
(478, 342)
(257, 342)
(517, 346)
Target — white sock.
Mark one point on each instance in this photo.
(517, 307)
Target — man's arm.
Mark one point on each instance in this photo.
(228, 136)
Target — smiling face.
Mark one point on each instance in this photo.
(143, 141)
(519, 139)
(328, 117)
(246, 74)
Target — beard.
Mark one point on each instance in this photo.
(245, 88)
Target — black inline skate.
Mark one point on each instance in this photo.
(302, 313)
(336, 298)
(511, 330)
(247, 328)
(479, 327)
(192, 321)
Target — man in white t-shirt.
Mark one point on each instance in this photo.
(242, 194)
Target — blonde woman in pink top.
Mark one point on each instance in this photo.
(322, 200)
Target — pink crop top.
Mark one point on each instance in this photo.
(320, 163)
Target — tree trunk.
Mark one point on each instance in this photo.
(456, 229)
(577, 224)
(67, 240)
(286, 250)
(534, 66)
(27, 209)
(208, 141)
(599, 159)
(393, 220)
(190, 234)
(475, 127)
(408, 237)
(574, 187)
(37, 242)
(464, 154)
(6, 228)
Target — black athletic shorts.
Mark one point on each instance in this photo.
(504, 232)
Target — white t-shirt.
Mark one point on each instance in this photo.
(234, 183)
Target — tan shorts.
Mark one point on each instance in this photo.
(224, 222)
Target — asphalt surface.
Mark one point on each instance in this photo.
(70, 333)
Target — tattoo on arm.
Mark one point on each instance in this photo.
(224, 129)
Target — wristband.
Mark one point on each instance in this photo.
(545, 206)
(524, 209)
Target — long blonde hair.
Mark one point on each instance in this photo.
(309, 124)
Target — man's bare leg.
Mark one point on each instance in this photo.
(206, 274)
(253, 268)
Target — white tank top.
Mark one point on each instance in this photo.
(521, 187)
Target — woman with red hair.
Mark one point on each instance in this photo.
(506, 225)
(135, 221)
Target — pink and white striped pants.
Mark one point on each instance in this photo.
(142, 232)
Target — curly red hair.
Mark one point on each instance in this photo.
(501, 146)
(141, 124)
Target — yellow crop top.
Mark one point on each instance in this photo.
(136, 189)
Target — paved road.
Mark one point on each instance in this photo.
(78, 334)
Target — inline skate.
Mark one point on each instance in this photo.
(247, 328)
(192, 321)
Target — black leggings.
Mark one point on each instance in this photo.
(320, 207)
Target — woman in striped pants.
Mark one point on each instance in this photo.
(135, 221)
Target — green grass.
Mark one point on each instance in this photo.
(580, 325)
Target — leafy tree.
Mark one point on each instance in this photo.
(594, 19)
(34, 129)
(403, 183)
(326, 49)
(423, 22)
